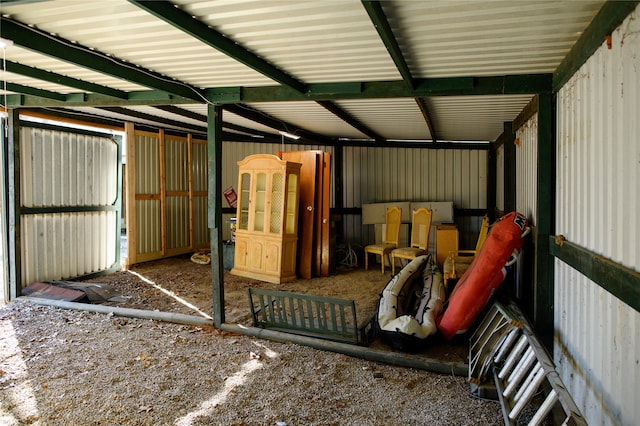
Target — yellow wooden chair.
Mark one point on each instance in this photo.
(420, 229)
(390, 239)
(457, 263)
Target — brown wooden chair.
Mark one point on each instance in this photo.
(420, 230)
(457, 263)
(390, 239)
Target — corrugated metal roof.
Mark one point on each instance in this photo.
(334, 41)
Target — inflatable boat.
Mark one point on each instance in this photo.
(410, 304)
(485, 274)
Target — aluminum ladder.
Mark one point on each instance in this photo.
(525, 380)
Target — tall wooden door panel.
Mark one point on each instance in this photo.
(307, 208)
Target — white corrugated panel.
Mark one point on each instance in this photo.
(527, 169)
(597, 341)
(500, 178)
(373, 175)
(474, 118)
(449, 38)
(67, 245)
(61, 169)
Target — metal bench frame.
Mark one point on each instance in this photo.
(306, 314)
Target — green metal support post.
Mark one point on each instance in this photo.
(214, 134)
(545, 223)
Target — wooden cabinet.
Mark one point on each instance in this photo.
(267, 218)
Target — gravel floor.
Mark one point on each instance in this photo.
(63, 367)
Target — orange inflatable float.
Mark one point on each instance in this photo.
(485, 274)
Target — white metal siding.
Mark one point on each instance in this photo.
(500, 178)
(68, 245)
(526, 169)
(597, 338)
(373, 175)
(60, 169)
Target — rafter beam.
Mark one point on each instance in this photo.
(47, 94)
(379, 19)
(198, 29)
(203, 118)
(274, 123)
(422, 104)
(350, 120)
(46, 44)
(63, 80)
(155, 119)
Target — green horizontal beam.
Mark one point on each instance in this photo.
(156, 119)
(200, 30)
(454, 86)
(620, 281)
(39, 41)
(63, 80)
(41, 93)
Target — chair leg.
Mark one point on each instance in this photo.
(366, 260)
(393, 264)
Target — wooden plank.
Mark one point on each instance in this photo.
(307, 207)
(130, 190)
(326, 214)
(163, 194)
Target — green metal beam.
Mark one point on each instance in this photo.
(52, 77)
(59, 48)
(454, 86)
(448, 86)
(379, 19)
(182, 20)
(41, 93)
(543, 289)
(274, 123)
(214, 166)
(350, 120)
(603, 24)
(622, 282)
(156, 119)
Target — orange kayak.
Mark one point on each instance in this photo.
(484, 276)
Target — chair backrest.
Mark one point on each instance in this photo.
(420, 228)
(484, 230)
(392, 225)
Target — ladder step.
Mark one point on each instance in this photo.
(518, 373)
(544, 409)
(528, 392)
(513, 357)
(506, 345)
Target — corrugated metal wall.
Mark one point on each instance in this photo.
(413, 174)
(527, 168)
(63, 176)
(500, 178)
(597, 338)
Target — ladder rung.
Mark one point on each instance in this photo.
(518, 373)
(528, 381)
(513, 356)
(544, 409)
(528, 393)
(506, 345)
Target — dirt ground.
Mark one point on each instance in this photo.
(179, 285)
(71, 367)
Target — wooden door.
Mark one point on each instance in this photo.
(307, 207)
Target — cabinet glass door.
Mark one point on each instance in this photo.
(290, 221)
(243, 206)
(259, 202)
(277, 198)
